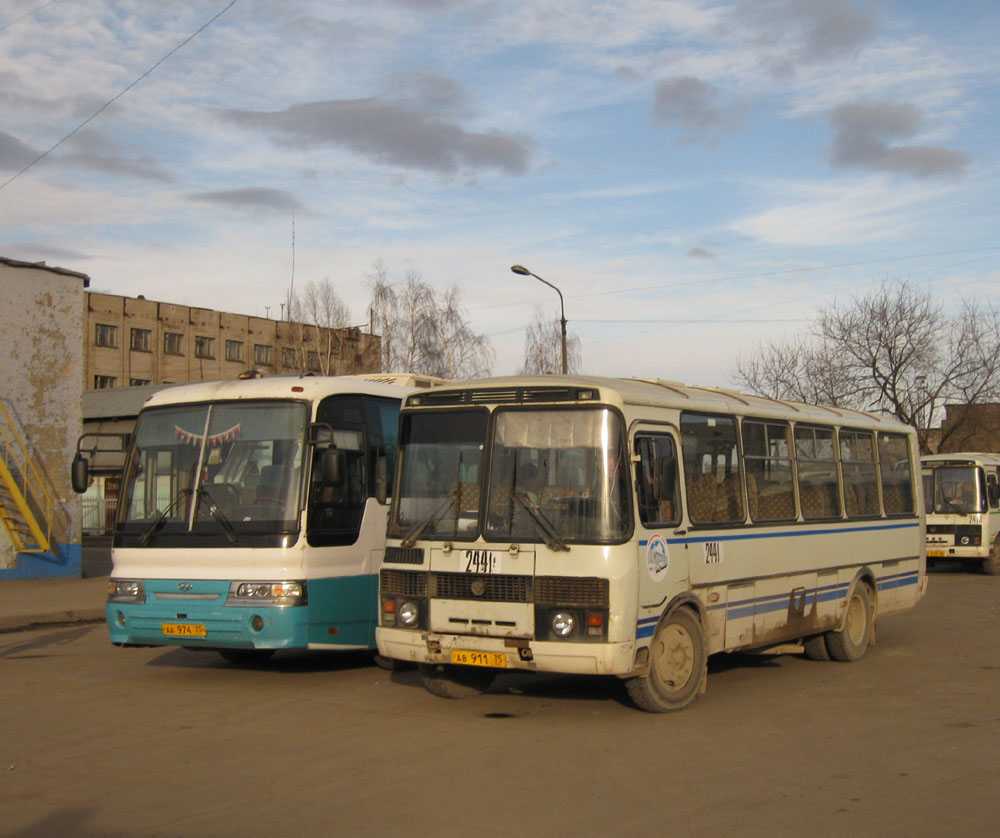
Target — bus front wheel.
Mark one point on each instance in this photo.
(448, 681)
(677, 667)
(991, 564)
(852, 640)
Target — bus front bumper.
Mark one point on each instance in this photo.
(526, 655)
(208, 627)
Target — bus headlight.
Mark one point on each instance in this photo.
(267, 593)
(126, 590)
(408, 614)
(563, 623)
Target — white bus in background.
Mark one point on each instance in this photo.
(962, 497)
(635, 527)
(252, 514)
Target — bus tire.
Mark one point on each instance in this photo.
(851, 642)
(246, 656)
(677, 667)
(991, 564)
(447, 681)
(815, 648)
(392, 664)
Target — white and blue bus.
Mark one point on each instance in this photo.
(635, 527)
(252, 515)
(962, 494)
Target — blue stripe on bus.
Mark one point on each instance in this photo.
(748, 536)
(779, 602)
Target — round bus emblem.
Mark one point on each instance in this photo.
(657, 558)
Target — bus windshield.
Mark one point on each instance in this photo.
(222, 471)
(554, 475)
(954, 490)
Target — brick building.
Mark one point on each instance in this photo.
(132, 341)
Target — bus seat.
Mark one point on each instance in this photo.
(468, 497)
(753, 496)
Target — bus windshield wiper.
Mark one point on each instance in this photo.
(153, 528)
(546, 529)
(450, 499)
(216, 513)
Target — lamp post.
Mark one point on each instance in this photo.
(523, 271)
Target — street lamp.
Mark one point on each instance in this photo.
(523, 271)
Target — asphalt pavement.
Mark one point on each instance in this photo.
(31, 603)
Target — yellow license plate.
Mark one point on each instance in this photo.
(935, 553)
(183, 629)
(464, 657)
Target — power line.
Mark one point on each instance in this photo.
(114, 99)
(7, 26)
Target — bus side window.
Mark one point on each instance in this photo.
(656, 480)
(993, 490)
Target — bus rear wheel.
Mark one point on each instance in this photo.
(851, 642)
(447, 681)
(677, 667)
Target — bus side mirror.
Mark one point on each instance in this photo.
(381, 480)
(80, 473)
(331, 465)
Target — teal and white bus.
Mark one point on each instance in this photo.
(962, 495)
(634, 527)
(252, 515)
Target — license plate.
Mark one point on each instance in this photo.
(497, 660)
(935, 553)
(184, 630)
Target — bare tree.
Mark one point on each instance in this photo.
(892, 351)
(422, 333)
(543, 348)
(318, 314)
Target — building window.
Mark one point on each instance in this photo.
(138, 382)
(105, 335)
(204, 347)
(173, 343)
(262, 354)
(312, 364)
(234, 350)
(142, 340)
(104, 382)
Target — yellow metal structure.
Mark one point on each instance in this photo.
(27, 509)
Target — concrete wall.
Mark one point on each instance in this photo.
(41, 370)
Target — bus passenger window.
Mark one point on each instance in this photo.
(894, 466)
(767, 460)
(656, 480)
(857, 457)
(711, 469)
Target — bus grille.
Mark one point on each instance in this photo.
(403, 583)
(566, 590)
(496, 588)
(404, 555)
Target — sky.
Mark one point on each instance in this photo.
(695, 177)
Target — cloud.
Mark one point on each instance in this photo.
(863, 129)
(14, 154)
(700, 253)
(695, 106)
(795, 32)
(389, 133)
(250, 197)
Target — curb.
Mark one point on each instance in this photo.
(23, 622)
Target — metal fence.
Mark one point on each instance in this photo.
(99, 515)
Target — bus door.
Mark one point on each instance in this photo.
(663, 566)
